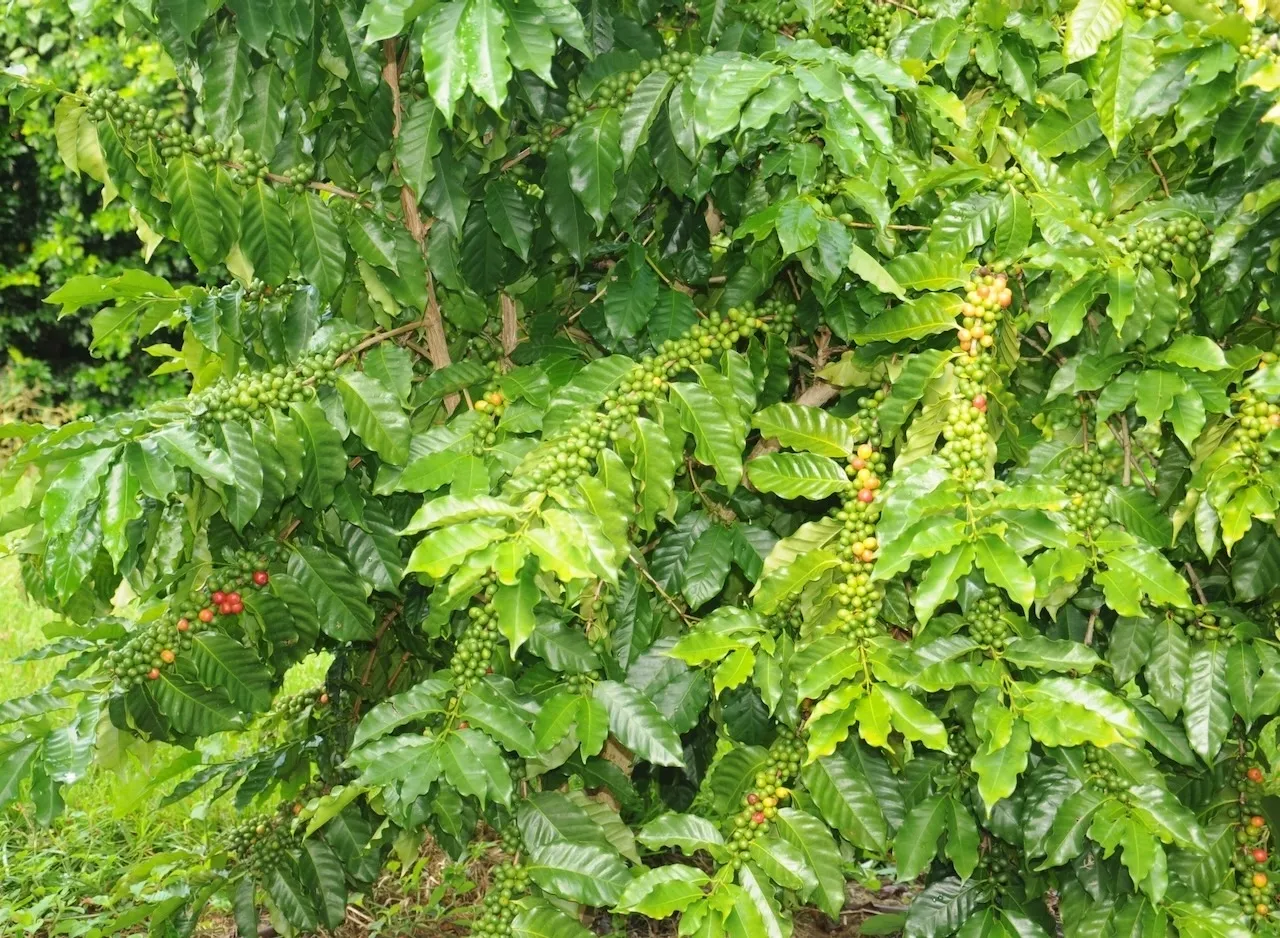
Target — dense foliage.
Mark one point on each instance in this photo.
(724, 449)
(55, 226)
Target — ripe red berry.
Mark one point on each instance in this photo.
(236, 608)
(866, 495)
(233, 598)
(205, 615)
(225, 608)
(153, 674)
(980, 402)
(753, 798)
(857, 462)
(1257, 821)
(1255, 774)
(758, 817)
(167, 656)
(324, 699)
(218, 597)
(1259, 855)
(184, 625)
(261, 577)
(297, 807)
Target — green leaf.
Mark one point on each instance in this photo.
(322, 253)
(998, 770)
(1206, 705)
(340, 597)
(663, 891)
(1126, 64)
(245, 495)
(546, 922)
(510, 216)
(265, 234)
(514, 605)
(409, 706)
(806, 428)
(595, 155)
(483, 46)
(376, 416)
(688, 833)
(586, 873)
(1138, 571)
(814, 842)
(196, 212)
(1089, 25)
(474, 765)
(1066, 839)
(1003, 567)
(641, 110)
(290, 897)
(324, 462)
(847, 801)
(916, 843)
(222, 662)
(444, 62)
(914, 319)
(797, 475)
(912, 719)
(638, 725)
(941, 908)
(74, 487)
(419, 143)
(191, 708)
(716, 442)
(1048, 654)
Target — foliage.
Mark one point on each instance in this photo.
(715, 457)
(54, 225)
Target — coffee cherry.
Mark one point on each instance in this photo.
(205, 615)
(1255, 774)
(261, 578)
(153, 674)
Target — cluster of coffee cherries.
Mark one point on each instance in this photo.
(613, 91)
(986, 298)
(1086, 482)
(258, 292)
(147, 651)
(957, 763)
(1256, 418)
(760, 805)
(965, 437)
(579, 683)
(508, 882)
(986, 622)
(265, 842)
(1103, 774)
(1150, 8)
(1255, 885)
(289, 707)
(1159, 242)
(471, 659)
(769, 17)
(866, 419)
(1010, 179)
(1201, 625)
(1001, 865)
(858, 600)
(1264, 41)
(250, 393)
(570, 456)
(868, 24)
(299, 177)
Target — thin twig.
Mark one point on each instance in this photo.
(1164, 183)
(1126, 441)
(1088, 629)
(1126, 475)
(377, 339)
(644, 572)
(510, 328)
(1195, 583)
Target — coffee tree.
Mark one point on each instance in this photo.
(728, 451)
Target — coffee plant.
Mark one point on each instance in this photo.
(728, 452)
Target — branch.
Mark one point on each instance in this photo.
(510, 328)
(1195, 583)
(1164, 183)
(437, 345)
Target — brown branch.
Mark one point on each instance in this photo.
(377, 339)
(1164, 183)
(644, 572)
(510, 328)
(1126, 442)
(1088, 629)
(437, 345)
(1195, 583)
(391, 680)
